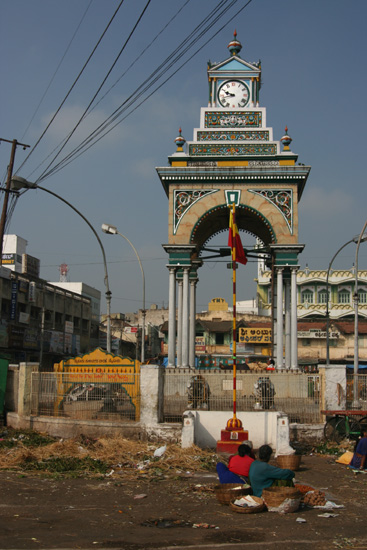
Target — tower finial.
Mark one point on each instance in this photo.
(180, 141)
(235, 46)
(286, 140)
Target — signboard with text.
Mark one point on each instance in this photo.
(200, 344)
(254, 335)
(333, 334)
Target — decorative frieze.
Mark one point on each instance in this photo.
(232, 119)
(183, 200)
(282, 200)
(233, 135)
(199, 149)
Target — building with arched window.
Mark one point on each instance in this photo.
(317, 296)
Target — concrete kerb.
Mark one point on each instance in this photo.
(67, 428)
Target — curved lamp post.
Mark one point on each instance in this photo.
(354, 240)
(327, 298)
(361, 238)
(18, 183)
(112, 230)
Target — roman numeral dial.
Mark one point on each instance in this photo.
(233, 94)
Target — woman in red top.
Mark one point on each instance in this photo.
(238, 466)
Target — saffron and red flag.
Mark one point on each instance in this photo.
(234, 239)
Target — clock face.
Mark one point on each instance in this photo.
(233, 94)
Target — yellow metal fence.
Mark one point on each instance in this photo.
(86, 396)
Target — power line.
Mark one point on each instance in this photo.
(97, 92)
(152, 79)
(140, 55)
(118, 80)
(88, 142)
(57, 68)
(73, 85)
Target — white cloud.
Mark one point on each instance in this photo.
(327, 203)
(67, 119)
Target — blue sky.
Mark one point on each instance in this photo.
(314, 81)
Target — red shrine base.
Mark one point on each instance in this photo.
(230, 440)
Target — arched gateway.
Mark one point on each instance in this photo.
(233, 159)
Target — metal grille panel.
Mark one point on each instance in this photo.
(298, 394)
(93, 396)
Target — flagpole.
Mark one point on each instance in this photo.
(234, 423)
(233, 434)
(234, 348)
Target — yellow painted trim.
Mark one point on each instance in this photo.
(179, 163)
(232, 162)
(288, 162)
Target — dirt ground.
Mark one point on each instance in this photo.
(114, 512)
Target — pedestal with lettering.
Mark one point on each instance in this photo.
(232, 437)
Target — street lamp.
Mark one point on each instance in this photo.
(361, 238)
(354, 240)
(112, 230)
(18, 183)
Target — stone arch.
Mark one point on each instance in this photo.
(215, 221)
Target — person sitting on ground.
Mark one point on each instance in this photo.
(238, 466)
(262, 475)
(359, 460)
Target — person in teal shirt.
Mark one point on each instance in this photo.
(263, 475)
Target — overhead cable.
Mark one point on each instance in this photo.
(172, 59)
(73, 85)
(57, 69)
(98, 90)
(92, 138)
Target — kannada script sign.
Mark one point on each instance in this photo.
(254, 335)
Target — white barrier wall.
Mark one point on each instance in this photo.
(335, 387)
(264, 427)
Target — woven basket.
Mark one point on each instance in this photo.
(248, 509)
(289, 461)
(275, 496)
(225, 492)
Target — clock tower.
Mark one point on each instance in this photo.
(234, 83)
(233, 158)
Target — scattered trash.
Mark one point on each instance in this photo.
(329, 505)
(142, 495)
(202, 489)
(246, 501)
(160, 451)
(203, 526)
(143, 465)
(327, 515)
(355, 471)
(110, 474)
(162, 523)
(301, 520)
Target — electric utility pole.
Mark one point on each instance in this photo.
(7, 191)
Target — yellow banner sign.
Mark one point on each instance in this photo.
(254, 335)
